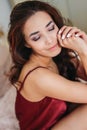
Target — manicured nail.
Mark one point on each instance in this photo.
(63, 37)
(76, 35)
(59, 31)
(68, 35)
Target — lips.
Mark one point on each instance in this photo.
(53, 47)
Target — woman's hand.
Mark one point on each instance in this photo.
(73, 38)
(68, 31)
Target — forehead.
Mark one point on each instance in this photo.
(37, 21)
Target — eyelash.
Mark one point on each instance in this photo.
(50, 29)
(35, 39)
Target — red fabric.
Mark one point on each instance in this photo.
(39, 115)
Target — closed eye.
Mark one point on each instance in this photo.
(51, 28)
(36, 38)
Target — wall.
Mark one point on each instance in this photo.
(78, 13)
(75, 10)
(5, 10)
(13, 2)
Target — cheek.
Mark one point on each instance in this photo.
(41, 46)
(54, 34)
(56, 30)
(38, 47)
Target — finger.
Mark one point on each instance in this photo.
(73, 31)
(80, 34)
(68, 42)
(62, 29)
(65, 31)
(65, 43)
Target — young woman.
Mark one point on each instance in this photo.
(45, 68)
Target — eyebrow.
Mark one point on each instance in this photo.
(38, 31)
(49, 23)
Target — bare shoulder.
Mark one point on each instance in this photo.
(54, 85)
(42, 82)
(46, 81)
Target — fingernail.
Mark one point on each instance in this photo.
(59, 31)
(63, 37)
(68, 35)
(76, 35)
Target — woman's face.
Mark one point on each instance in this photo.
(41, 35)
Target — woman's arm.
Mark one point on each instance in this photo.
(46, 83)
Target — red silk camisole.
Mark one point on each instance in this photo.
(41, 115)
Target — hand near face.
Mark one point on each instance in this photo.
(73, 38)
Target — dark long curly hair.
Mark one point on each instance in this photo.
(20, 53)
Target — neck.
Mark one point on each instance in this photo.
(42, 61)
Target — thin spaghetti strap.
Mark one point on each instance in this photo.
(28, 74)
